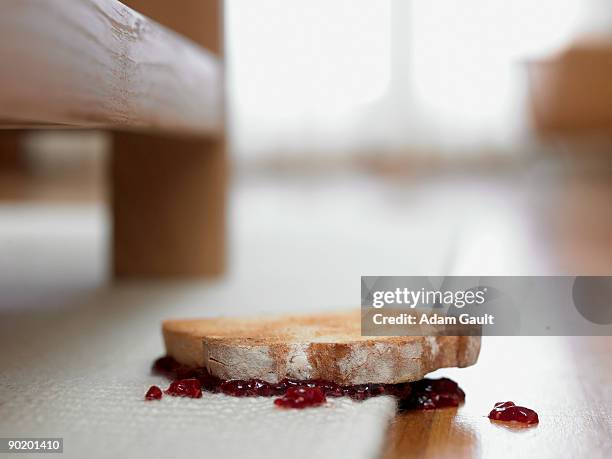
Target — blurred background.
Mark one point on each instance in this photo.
(395, 137)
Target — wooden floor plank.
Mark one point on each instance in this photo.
(566, 380)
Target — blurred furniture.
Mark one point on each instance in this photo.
(10, 157)
(98, 64)
(571, 93)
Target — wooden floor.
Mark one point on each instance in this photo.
(567, 380)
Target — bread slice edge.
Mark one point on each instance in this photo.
(388, 360)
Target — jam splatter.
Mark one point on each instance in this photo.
(154, 393)
(247, 388)
(185, 388)
(509, 412)
(431, 394)
(426, 394)
(301, 397)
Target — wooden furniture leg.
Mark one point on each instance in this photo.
(169, 193)
(11, 157)
(168, 202)
(98, 64)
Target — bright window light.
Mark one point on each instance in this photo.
(298, 59)
(467, 56)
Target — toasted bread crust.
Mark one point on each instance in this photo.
(326, 346)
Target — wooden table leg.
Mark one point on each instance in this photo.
(11, 156)
(168, 206)
(169, 194)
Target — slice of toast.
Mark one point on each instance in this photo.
(325, 346)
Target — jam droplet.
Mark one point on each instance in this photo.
(509, 412)
(170, 368)
(154, 393)
(430, 394)
(301, 397)
(164, 365)
(365, 391)
(185, 388)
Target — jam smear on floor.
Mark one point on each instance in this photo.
(154, 393)
(509, 412)
(426, 394)
(431, 394)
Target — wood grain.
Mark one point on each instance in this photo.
(98, 63)
(168, 203)
(567, 380)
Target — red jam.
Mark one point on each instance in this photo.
(509, 412)
(154, 393)
(426, 394)
(301, 397)
(248, 388)
(185, 388)
(431, 394)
